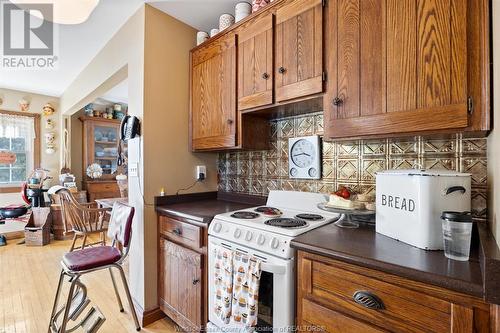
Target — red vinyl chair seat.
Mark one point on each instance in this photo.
(90, 258)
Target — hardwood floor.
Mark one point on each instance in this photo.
(28, 279)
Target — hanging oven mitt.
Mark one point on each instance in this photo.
(246, 280)
(223, 282)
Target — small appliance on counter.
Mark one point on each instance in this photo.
(410, 202)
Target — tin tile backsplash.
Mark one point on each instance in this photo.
(350, 163)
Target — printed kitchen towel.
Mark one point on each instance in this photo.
(246, 279)
(223, 282)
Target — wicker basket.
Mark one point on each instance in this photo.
(37, 231)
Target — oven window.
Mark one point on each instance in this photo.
(265, 314)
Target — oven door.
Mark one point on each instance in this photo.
(276, 291)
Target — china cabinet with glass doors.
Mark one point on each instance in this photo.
(101, 140)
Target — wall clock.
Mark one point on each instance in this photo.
(304, 157)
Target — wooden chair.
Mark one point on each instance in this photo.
(83, 218)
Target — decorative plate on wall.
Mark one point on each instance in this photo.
(304, 157)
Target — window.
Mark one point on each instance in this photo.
(18, 135)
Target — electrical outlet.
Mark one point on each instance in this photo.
(133, 170)
(201, 172)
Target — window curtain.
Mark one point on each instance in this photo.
(14, 126)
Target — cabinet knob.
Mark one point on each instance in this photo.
(281, 70)
(230, 121)
(265, 76)
(368, 300)
(337, 101)
(195, 281)
(177, 231)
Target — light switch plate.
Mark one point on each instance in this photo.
(133, 170)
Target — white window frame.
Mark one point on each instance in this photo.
(33, 156)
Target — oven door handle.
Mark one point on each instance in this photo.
(275, 269)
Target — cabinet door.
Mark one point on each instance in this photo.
(180, 283)
(255, 64)
(395, 66)
(299, 49)
(105, 147)
(213, 96)
(100, 145)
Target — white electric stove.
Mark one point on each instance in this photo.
(265, 232)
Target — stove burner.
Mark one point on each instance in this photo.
(309, 217)
(269, 211)
(284, 222)
(245, 215)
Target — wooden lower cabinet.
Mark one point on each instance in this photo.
(334, 296)
(181, 273)
(180, 287)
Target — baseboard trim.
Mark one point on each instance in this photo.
(148, 317)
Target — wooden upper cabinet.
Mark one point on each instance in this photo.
(398, 66)
(213, 95)
(255, 64)
(299, 49)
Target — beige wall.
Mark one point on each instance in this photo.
(167, 160)
(153, 48)
(494, 138)
(50, 162)
(121, 58)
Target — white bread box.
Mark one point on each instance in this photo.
(410, 202)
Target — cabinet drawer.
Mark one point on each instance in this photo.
(402, 309)
(181, 232)
(328, 320)
(103, 187)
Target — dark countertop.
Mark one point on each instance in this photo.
(365, 247)
(202, 207)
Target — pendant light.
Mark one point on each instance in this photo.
(65, 11)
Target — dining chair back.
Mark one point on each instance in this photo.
(83, 219)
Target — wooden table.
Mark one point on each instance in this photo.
(108, 203)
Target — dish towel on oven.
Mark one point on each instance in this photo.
(223, 282)
(246, 279)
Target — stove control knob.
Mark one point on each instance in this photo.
(217, 227)
(261, 240)
(237, 233)
(249, 236)
(275, 243)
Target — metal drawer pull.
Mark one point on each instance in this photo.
(195, 281)
(177, 231)
(368, 300)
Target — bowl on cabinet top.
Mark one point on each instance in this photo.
(225, 21)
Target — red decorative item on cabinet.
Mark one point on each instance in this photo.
(258, 4)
